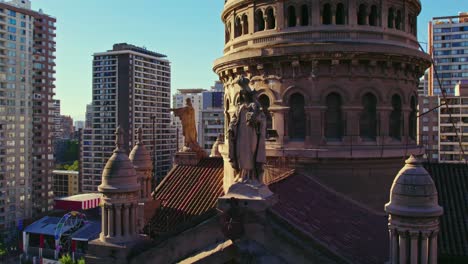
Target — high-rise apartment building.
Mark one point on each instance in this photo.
(195, 96)
(448, 44)
(131, 87)
(26, 117)
(212, 116)
(89, 116)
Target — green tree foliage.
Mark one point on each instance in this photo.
(72, 151)
(2, 249)
(67, 259)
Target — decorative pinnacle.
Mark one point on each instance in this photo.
(119, 139)
(140, 135)
(412, 160)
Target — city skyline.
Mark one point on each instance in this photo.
(172, 29)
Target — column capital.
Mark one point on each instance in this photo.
(414, 234)
(425, 234)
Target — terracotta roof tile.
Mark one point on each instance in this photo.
(187, 192)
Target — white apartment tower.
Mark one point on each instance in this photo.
(131, 88)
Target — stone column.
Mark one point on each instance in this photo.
(278, 119)
(148, 188)
(352, 12)
(316, 18)
(393, 246)
(414, 249)
(126, 220)
(118, 220)
(351, 132)
(403, 246)
(279, 16)
(384, 126)
(143, 188)
(251, 18)
(111, 221)
(314, 126)
(425, 247)
(135, 218)
(433, 248)
(105, 221)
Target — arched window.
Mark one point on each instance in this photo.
(265, 103)
(304, 15)
(327, 14)
(398, 20)
(228, 117)
(373, 17)
(362, 15)
(413, 118)
(245, 21)
(291, 16)
(237, 28)
(391, 17)
(296, 117)
(368, 120)
(227, 35)
(333, 117)
(340, 14)
(395, 118)
(259, 21)
(271, 21)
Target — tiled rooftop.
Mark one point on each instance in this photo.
(187, 192)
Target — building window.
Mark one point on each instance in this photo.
(373, 17)
(265, 103)
(259, 21)
(333, 117)
(396, 118)
(362, 15)
(296, 117)
(304, 15)
(271, 21)
(398, 20)
(228, 33)
(340, 14)
(413, 119)
(237, 28)
(291, 16)
(327, 14)
(245, 25)
(368, 122)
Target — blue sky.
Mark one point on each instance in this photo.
(189, 32)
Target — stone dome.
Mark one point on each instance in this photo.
(119, 175)
(140, 156)
(413, 192)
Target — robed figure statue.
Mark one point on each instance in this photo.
(246, 135)
(186, 115)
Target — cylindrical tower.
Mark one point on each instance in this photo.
(337, 79)
(141, 160)
(119, 189)
(414, 214)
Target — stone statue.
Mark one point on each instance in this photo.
(189, 130)
(246, 135)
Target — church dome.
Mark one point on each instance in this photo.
(119, 175)
(413, 192)
(139, 156)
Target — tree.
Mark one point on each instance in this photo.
(67, 259)
(2, 250)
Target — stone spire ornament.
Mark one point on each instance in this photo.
(414, 214)
(143, 165)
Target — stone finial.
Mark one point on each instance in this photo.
(140, 135)
(119, 139)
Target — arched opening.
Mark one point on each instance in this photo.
(368, 120)
(304, 15)
(391, 17)
(333, 117)
(271, 21)
(396, 118)
(291, 16)
(413, 118)
(245, 21)
(373, 17)
(327, 14)
(297, 126)
(398, 20)
(227, 117)
(259, 21)
(227, 35)
(340, 14)
(265, 103)
(362, 14)
(237, 28)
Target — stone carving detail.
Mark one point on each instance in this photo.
(246, 135)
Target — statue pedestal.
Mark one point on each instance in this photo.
(100, 252)
(189, 158)
(253, 197)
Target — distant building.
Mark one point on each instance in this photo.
(428, 126)
(66, 127)
(66, 183)
(423, 87)
(89, 116)
(212, 116)
(179, 99)
(126, 72)
(79, 125)
(57, 119)
(448, 42)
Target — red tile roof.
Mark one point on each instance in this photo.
(451, 181)
(342, 226)
(187, 192)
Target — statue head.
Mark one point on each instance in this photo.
(188, 102)
(246, 93)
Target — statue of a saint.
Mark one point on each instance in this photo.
(189, 129)
(247, 137)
